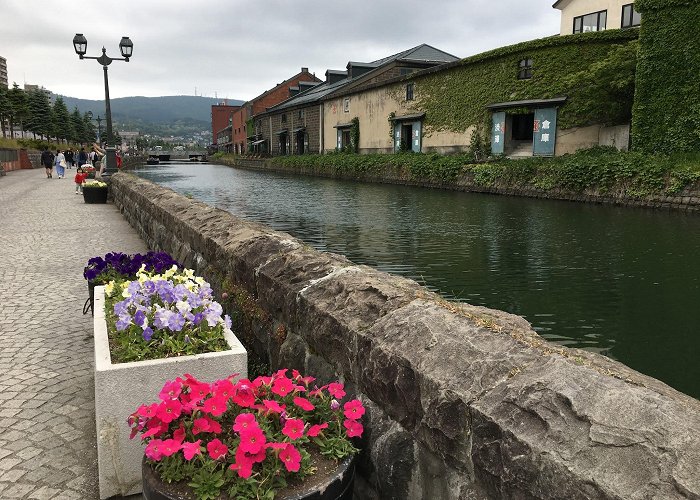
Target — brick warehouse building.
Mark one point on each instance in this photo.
(243, 139)
(220, 119)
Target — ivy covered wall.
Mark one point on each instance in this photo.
(667, 98)
(594, 70)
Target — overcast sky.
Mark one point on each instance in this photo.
(238, 49)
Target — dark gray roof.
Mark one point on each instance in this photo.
(529, 102)
(420, 53)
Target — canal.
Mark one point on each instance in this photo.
(623, 282)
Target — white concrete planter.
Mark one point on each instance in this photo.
(121, 388)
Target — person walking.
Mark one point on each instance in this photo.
(82, 157)
(69, 158)
(60, 163)
(47, 162)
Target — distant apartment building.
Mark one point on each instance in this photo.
(3, 71)
(582, 16)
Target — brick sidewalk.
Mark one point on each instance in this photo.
(47, 427)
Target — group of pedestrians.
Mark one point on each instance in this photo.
(62, 160)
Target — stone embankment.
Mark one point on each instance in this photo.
(686, 200)
(463, 401)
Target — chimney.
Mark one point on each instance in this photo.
(334, 75)
(304, 70)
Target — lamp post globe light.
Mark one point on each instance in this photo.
(126, 47)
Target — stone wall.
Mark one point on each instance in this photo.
(463, 402)
(686, 200)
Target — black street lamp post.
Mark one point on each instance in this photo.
(127, 48)
(99, 126)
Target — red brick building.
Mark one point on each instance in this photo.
(220, 119)
(243, 138)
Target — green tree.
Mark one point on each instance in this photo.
(39, 113)
(5, 108)
(63, 128)
(20, 107)
(78, 126)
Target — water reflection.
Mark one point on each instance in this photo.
(619, 281)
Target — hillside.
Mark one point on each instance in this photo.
(163, 116)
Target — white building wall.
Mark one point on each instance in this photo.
(575, 8)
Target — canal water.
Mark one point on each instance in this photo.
(623, 282)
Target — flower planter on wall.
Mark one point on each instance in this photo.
(95, 194)
(122, 387)
(336, 484)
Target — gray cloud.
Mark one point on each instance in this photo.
(238, 49)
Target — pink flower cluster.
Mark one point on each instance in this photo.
(243, 423)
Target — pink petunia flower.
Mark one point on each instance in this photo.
(215, 406)
(245, 393)
(199, 391)
(200, 425)
(353, 428)
(315, 430)
(303, 403)
(282, 386)
(293, 428)
(216, 449)
(179, 434)
(214, 426)
(169, 447)
(273, 406)
(189, 450)
(354, 409)
(223, 389)
(171, 390)
(337, 390)
(169, 410)
(252, 440)
(153, 451)
(147, 410)
(291, 458)
(245, 422)
(243, 464)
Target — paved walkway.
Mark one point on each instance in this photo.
(47, 428)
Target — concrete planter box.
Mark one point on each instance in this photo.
(121, 388)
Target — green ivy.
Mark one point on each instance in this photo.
(562, 66)
(603, 170)
(667, 100)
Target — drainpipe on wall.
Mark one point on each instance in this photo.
(320, 128)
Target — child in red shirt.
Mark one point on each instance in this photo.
(79, 179)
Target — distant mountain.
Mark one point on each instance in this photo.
(169, 115)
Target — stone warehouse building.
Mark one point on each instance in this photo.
(296, 125)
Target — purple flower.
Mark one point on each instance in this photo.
(198, 318)
(335, 405)
(162, 318)
(139, 318)
(176, 322)
(227, 321)
(147, 334)
(187, 339)
(123, 322)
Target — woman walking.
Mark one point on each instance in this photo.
(60, 163)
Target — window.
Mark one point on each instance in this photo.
(284, 118)
(346, 105)
(630, 17)
(405, 71)
(525, 69)
(409, 92)
(590, 22)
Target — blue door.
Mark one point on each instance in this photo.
(416, 138)
(544, 131)
(498, 130)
